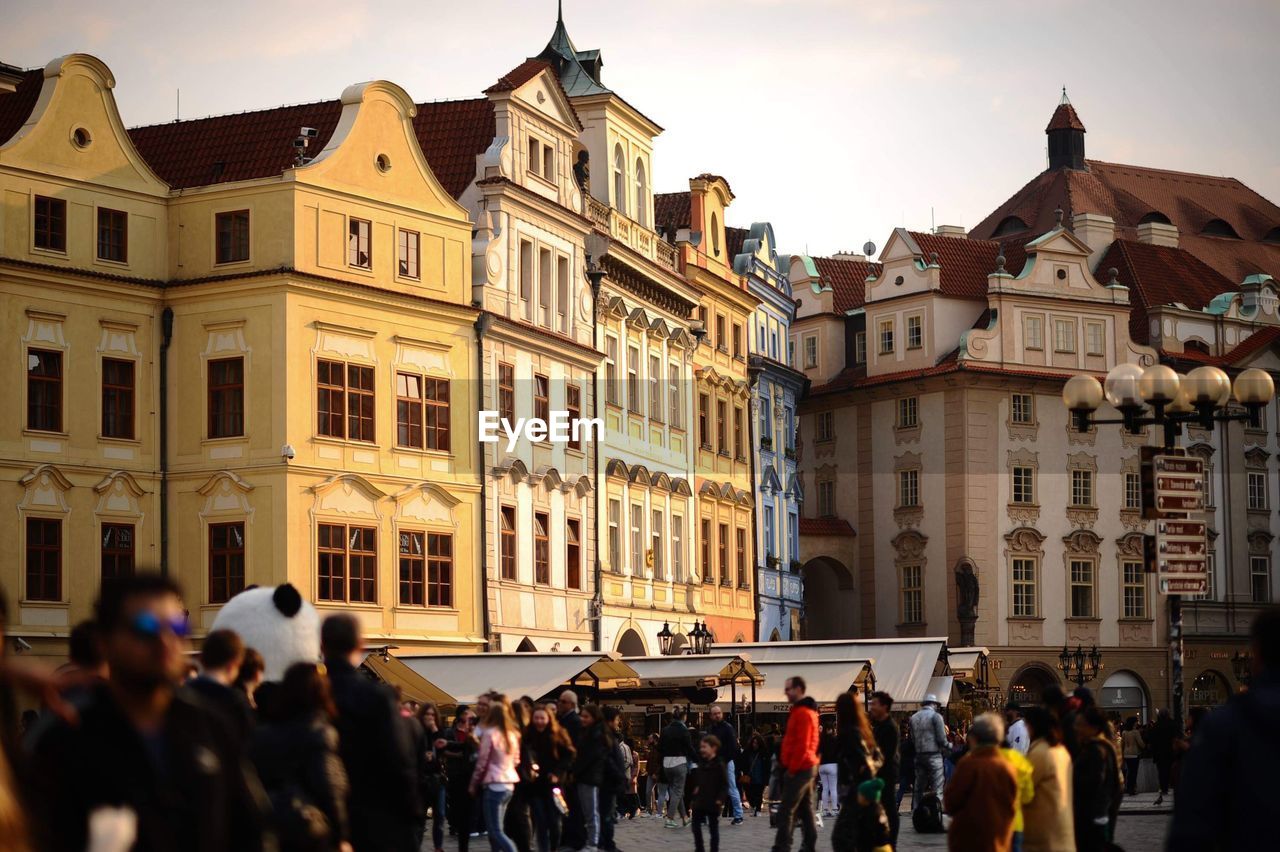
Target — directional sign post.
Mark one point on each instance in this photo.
(1182, 557)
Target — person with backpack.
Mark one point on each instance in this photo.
(983, 792)
(929, 735)
(296, 755)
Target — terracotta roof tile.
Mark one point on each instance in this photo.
(965, 263)
(451, 134)
(672, 211)
(1065, 118)
(847, 280)
(856, 378)
(734, 238)
(825, 526)
(16, 106)
(1252, 345)
(1160, 275)
(518, 76)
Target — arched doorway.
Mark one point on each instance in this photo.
(830, 601)
(630, 644)
(1209, 689)
(1123, 695)
(526, 647)
(1029, 684)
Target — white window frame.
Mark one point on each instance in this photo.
(1133, 589)
(1023, 490)
(1081, 487)
(909, 488)
(1024, 587)
(1064, 335)
(1033, 332)
(1075, 580)
(915, 331)
(886, 336)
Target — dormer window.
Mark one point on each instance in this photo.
(1219, 228)
(619, 180)
(542, 159)
(1009, 225)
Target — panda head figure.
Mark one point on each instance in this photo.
(276, 621)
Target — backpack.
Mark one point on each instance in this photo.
(927, 817)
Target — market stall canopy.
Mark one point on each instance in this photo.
(902, 667)
(700, 670)
(413, 686)
(824, 681)
(941, 687)
(967, 665)
(467, 676)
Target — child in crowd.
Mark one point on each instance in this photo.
(708, 789)
(873, 823)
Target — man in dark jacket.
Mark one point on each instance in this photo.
(731, 755)
(375, 746)
(575, 829)
(675, 745)
(1226, 791)
(220, 659)
(885, 731)
(144, 747)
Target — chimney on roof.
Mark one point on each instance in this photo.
(956, 232)
(1158, 234)
(10, 77)
(1066, 137)
(1096, 231)
(848, 255)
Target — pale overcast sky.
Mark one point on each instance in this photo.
(836, 121)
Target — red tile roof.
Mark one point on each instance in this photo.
(672, 211)
(825, 526)
(847, 280)
(451, 134)
(1160, 275)
(967, 263)
(1129, 194)
(518, 76)
(16, 106)
(1065, 118)
(1255, 343)
(733, 241)
(852, 378)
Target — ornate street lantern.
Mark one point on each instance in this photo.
(664, 639)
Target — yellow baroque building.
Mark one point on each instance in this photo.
(289, 292)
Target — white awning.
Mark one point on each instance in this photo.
(824, 681)
(467, 676)
(902, 667)
(964, 663)
(413, 686)
(940, 687)
(707, 670)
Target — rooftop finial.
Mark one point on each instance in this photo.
(1113, 275)
(1000, 259)
(1057, 215)
(560, 20)
(1065, 99)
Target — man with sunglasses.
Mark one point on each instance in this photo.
(145, 756)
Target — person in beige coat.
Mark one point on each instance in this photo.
(1047, 819)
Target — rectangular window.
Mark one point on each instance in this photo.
(826, 499)
(908, 488)
(331, 396)
(44, 559)
(545, 285)
(675, 405)
(722, 441)
(541, 549)
(1134, 578)
(226, 398)
(408, 410)
(825, 428)
(722, 343)
(704, 421)
(708, 574)
(886, 337)
(549, 162)
(908, 412)
(1033, 332)
(615, 536)
(766, 418)
(526, 278)
(915, 332)
(562, 293)
(1132, 491)
(422, 412)
(1257, 490)
(611, 371)
(44, 390)
(347, 563)
(507, 392)
(1256, 419)
(50, 226)
(912, 595)
(232, 236)
(1064, 335)
(573, 407)
(677, 548)
(117, 398)
(507, 558)
(116, 555)
(113, 235)
(810, 351)
(1082, 488)
(740, 556)
(724, 555)
(737, 340)
(1093, 338)
(655, 388)
(573, 553)
(791, 350)
(633, 381)
(860, 348)
(1022, 411)
(541, 397)
(1024, 588)
(739, 449)
(1259, 578)
(655, 545)
(360, 404)
(535, 155)
(435, 400)
(413, 568)
(769, 537)
(1081, 581)
(439, 569)
(1023, 487)
(359, 238)
(226, 561)
(637, 540)
(408, 253)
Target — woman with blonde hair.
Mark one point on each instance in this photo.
(495, 774)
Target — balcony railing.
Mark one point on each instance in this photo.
(632, 234)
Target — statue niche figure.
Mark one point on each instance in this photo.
(582, 171)
(966, 601)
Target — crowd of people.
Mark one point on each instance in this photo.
(135, 748)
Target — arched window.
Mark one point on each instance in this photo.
(619, 180)
(642, 195)
(715, 235)
(1219, 228)
(1155, 216)
(1196, 346)
(1009, 225)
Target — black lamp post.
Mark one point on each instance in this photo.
(664, 639)
(1078, 666)
(1200, 398)
(700, 639)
